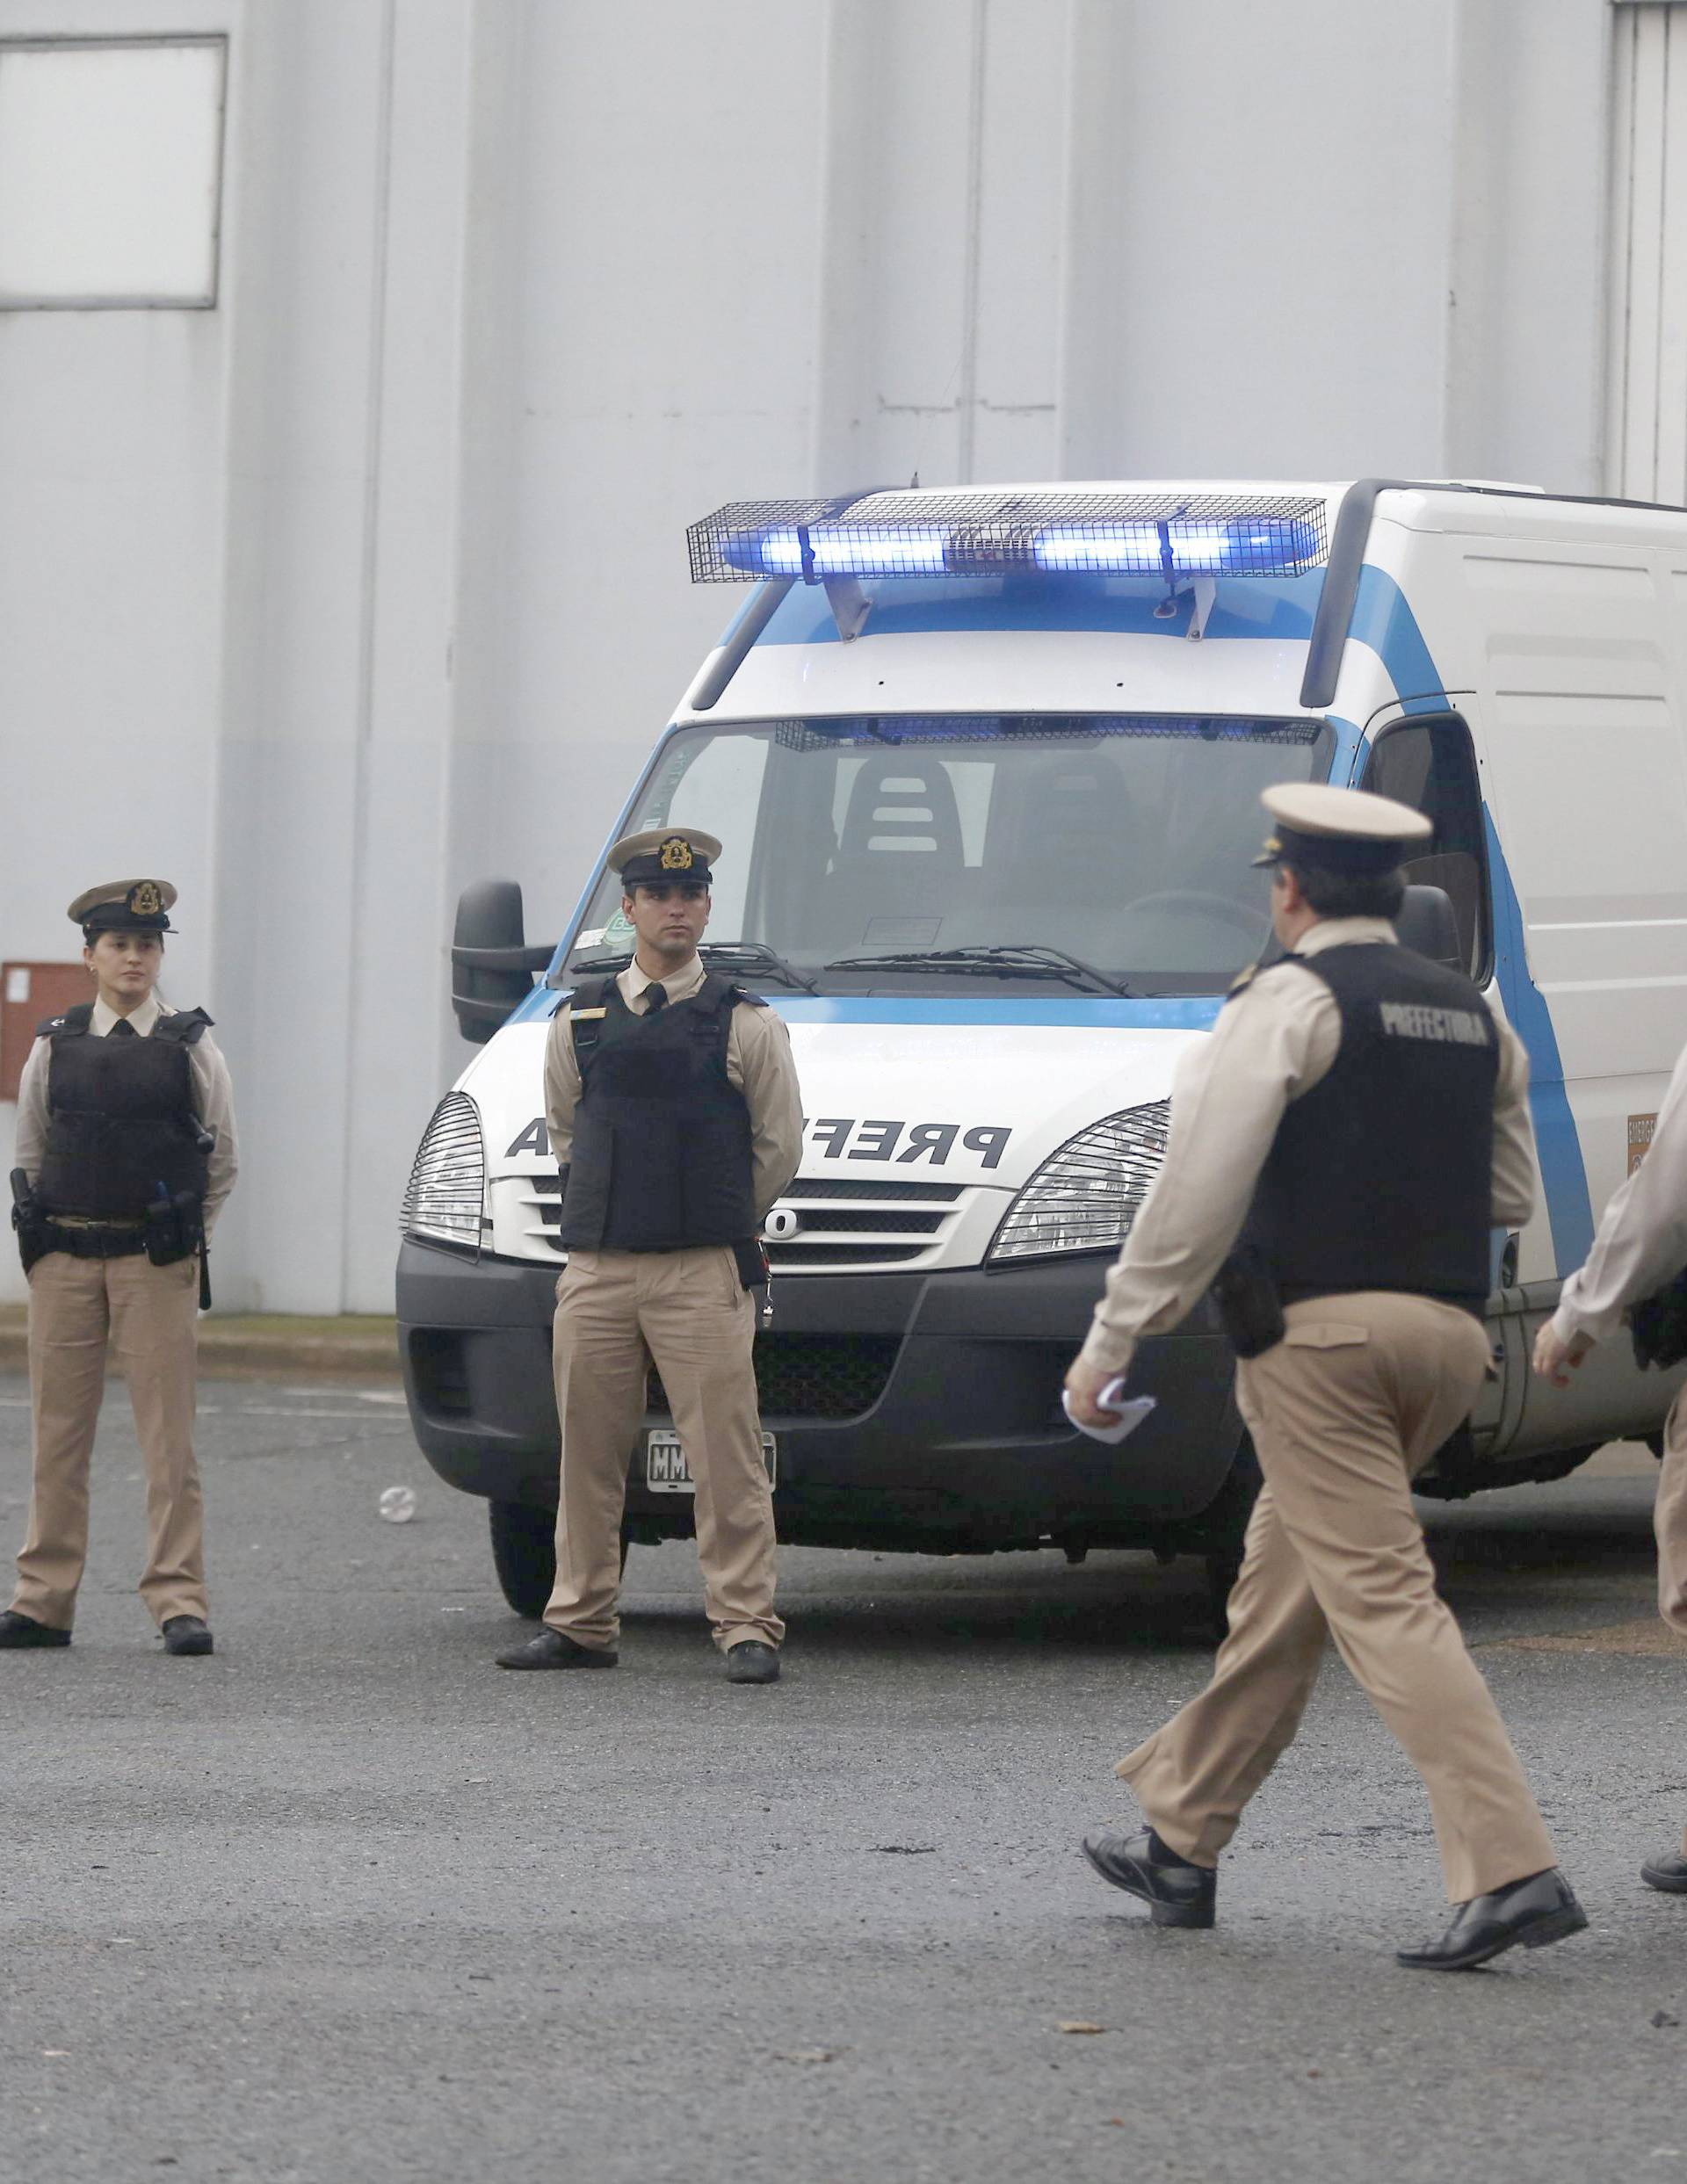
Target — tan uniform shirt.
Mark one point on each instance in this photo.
(759, 1062)
(214, 1102)
(1642, 1238)
(1274, 1041)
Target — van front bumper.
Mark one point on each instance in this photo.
(909, 1409)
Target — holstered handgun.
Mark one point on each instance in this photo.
(1657, 1325)
(1248, 1302)
(755, 1269)
(27, 1220)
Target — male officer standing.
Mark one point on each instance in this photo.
(1640, 1247)
(1359, 1118)
(672, 1103)
(126, 1150)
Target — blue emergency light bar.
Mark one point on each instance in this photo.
(980, 534)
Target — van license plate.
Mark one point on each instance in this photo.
(665, 1470)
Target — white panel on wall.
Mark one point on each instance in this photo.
(1647, 416)
(110, 173)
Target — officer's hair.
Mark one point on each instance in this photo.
(92, 933)
(1351, 894)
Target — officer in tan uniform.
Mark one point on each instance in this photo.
(672, 1102)
(126, 1152)
(1641, 1246)
(1359, 1119)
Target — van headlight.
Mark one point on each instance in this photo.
(1085, 1196)
(446, 1193)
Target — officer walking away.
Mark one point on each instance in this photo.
(672, 1102)
(1359, 1119)
(126, 1152)
(1641, 1250)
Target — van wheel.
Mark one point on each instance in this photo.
(523, 1554)
(1225, 1524)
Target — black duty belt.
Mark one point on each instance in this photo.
(94, 1240)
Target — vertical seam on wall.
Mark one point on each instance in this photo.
(967, 394)
(368, 576)
(1615, 465)
(1662, 253)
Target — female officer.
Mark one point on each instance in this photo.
(126, 1152)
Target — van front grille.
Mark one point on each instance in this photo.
(824, 1221)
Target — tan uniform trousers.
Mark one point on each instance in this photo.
(1355, 1399)
(1671, 1521)
(615, 1312)
(150, 1313)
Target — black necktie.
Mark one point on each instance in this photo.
(656, 996)
(122, 1030)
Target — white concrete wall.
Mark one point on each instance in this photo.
(372, 581)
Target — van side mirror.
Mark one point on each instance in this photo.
(1426, 924)
(492, 966)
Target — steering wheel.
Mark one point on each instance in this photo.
(1252, 922)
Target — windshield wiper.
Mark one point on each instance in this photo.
(754, 955)
(735, 955)
(1007, 960)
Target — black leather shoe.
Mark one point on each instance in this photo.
(18, 1631)
(551, 1650)
(752, 1662)
(1668, 1873)
(187, 1634)
(1176, 1895)
(1538, 1911)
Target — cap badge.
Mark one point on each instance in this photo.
(144, 899)
(677, 854)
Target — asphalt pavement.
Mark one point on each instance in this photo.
(346, 1904)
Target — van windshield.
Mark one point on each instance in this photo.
(1123, 843)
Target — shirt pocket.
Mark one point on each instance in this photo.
(1325, 1334)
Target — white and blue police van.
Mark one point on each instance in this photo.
(987, 764)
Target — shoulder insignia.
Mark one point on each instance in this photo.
(585, 1015)
(750, 1001)
(76, 1019)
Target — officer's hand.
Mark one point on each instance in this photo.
(1083, 1383)
(1555, 1359)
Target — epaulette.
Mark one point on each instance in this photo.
(587, 1007)
(1256, 970)
(76, 1019)
(184, 1025)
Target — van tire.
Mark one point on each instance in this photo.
(523, 1554)
(1224, 1523)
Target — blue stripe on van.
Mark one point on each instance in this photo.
(1170, 1012)
(1569, 1209)
(1280, 608)
(1384, 620)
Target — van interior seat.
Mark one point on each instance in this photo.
(900, 870)
(1426, 923)
(1064, 856)
(1455, 875)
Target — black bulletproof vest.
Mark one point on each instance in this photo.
(1381, 1177)
(662, 1135)
(120, 1120)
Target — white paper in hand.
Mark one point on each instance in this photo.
(1130, 1411)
